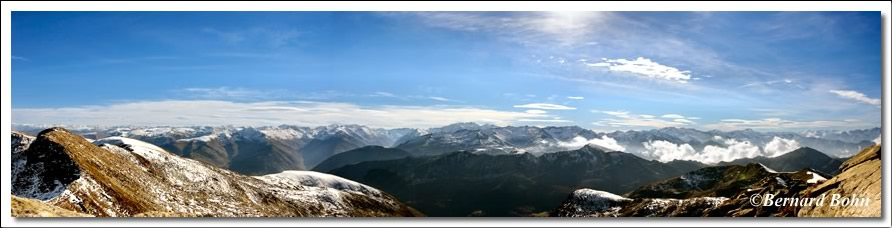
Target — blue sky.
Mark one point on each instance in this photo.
(598, 70)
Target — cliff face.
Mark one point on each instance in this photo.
(126, 177)
(860, 176)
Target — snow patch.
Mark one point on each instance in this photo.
(815, 178)
(781, 181)
(766, 168)
(595, 196)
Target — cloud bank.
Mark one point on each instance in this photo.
(733, 149)
(214, 112)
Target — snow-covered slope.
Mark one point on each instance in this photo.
(125, 177)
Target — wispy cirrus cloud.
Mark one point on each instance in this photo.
(228, 93)
(272, 37)
(545, 106)
(20, 58)
(575, 98)
(782, 124)
(383, 94)
(788, 26)
(441, 99)
(529, 28)
(855, 95)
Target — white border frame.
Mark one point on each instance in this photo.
(7, 7)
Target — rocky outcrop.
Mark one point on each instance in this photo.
(860, 176)
(593, 203)
(722, 181)
(722, 191)
(20, 141)
(121, 177)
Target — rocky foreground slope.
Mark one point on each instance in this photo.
(727, 191)
(861, 175)
(125, 177)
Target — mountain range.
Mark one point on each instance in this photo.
(474, 184)
(465, 183)
(272, 149)
(62, 173)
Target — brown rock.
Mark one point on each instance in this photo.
(861, 176)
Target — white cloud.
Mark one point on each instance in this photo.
(647, 116)
(604, 141)
(693, 118)
(673, 116)
(781, 124)
(645, 67)
(214, 112)
(536, 111)
(616, 113)
(735, 150)
(878, 140)
(545, 106)
(666, 151)
(779, 146)
(19, 58)
(855, 95)
(576, 98)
